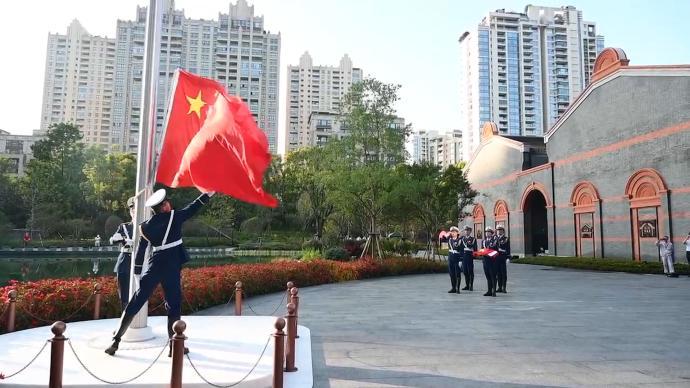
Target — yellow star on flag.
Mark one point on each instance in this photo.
(195, 104)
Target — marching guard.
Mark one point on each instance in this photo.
(454, 259)
(469, 246)
(123, 236)
(489, 242)
(503, 245)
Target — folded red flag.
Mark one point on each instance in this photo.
(486, 252)
(213, 143)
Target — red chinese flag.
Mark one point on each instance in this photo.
(213, 143)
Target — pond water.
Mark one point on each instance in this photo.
(36, 268)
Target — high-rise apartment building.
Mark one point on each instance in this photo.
(235, 50)
(78, 85)
(441, 149)
(521, 70)
(315, 89)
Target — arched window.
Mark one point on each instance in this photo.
(501, 215)
(478, 217)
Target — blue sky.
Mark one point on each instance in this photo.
(410, 43)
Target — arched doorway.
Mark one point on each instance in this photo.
(533, 204)
(585, 200)
(647, 194)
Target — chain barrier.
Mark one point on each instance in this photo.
(3, 377)
(157, 307)
(69, 342)
(280, 304)
(30, 314)
(237, 382)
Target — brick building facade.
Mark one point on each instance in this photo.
(610, 178)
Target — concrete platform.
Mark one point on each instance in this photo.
(223, 349)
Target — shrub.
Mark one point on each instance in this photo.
(354, 247)
(594, 264)
(53, 300)
(311, 254)
(336, 253)
(313, 244)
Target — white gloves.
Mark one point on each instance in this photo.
(117, 237)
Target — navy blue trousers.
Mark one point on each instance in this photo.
(454, 269)
(490, 272)
(122, 276)
(468, 266)
(168, 276)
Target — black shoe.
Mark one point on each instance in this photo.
(458, 291)
(488, 293)
(493, 293)
(466, 288)
(674, 275)
(113, 348)
(452, 291)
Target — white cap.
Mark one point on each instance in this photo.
(489, 229)
(156, 198)
(454, 228)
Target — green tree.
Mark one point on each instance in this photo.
(433, 197)
(55, 175)
(305, 169)
(13, 200)
(110, 180)
(368, 114)
(363, 176)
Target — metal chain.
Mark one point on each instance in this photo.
(159, 306)
(27, 312)
(69, 342)
(237, 382)
(3, 377)
(274, 311)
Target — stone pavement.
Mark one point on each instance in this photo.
(555, 327)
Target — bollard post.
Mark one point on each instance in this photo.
(178, 353)
(97, 303)
(278, 353)
(289, 287)
(238, 298)
(12, 310)
(57, 354)
(295, 300)
(290, 319)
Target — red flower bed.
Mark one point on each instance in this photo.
(42, 302)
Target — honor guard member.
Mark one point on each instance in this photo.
(503, 245)
(454, 258)
(163, 232)
(489, 263)
(469, 246)
(123, 236)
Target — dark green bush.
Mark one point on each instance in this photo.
(336, 253)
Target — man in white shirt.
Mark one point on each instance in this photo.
(666, 253)
(687, 248)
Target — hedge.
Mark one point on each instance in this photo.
(594, 264)
(42, 302)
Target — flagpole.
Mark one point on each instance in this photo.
(138, 330)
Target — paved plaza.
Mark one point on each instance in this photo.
(555, 327)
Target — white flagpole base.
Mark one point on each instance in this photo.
(138, 334)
